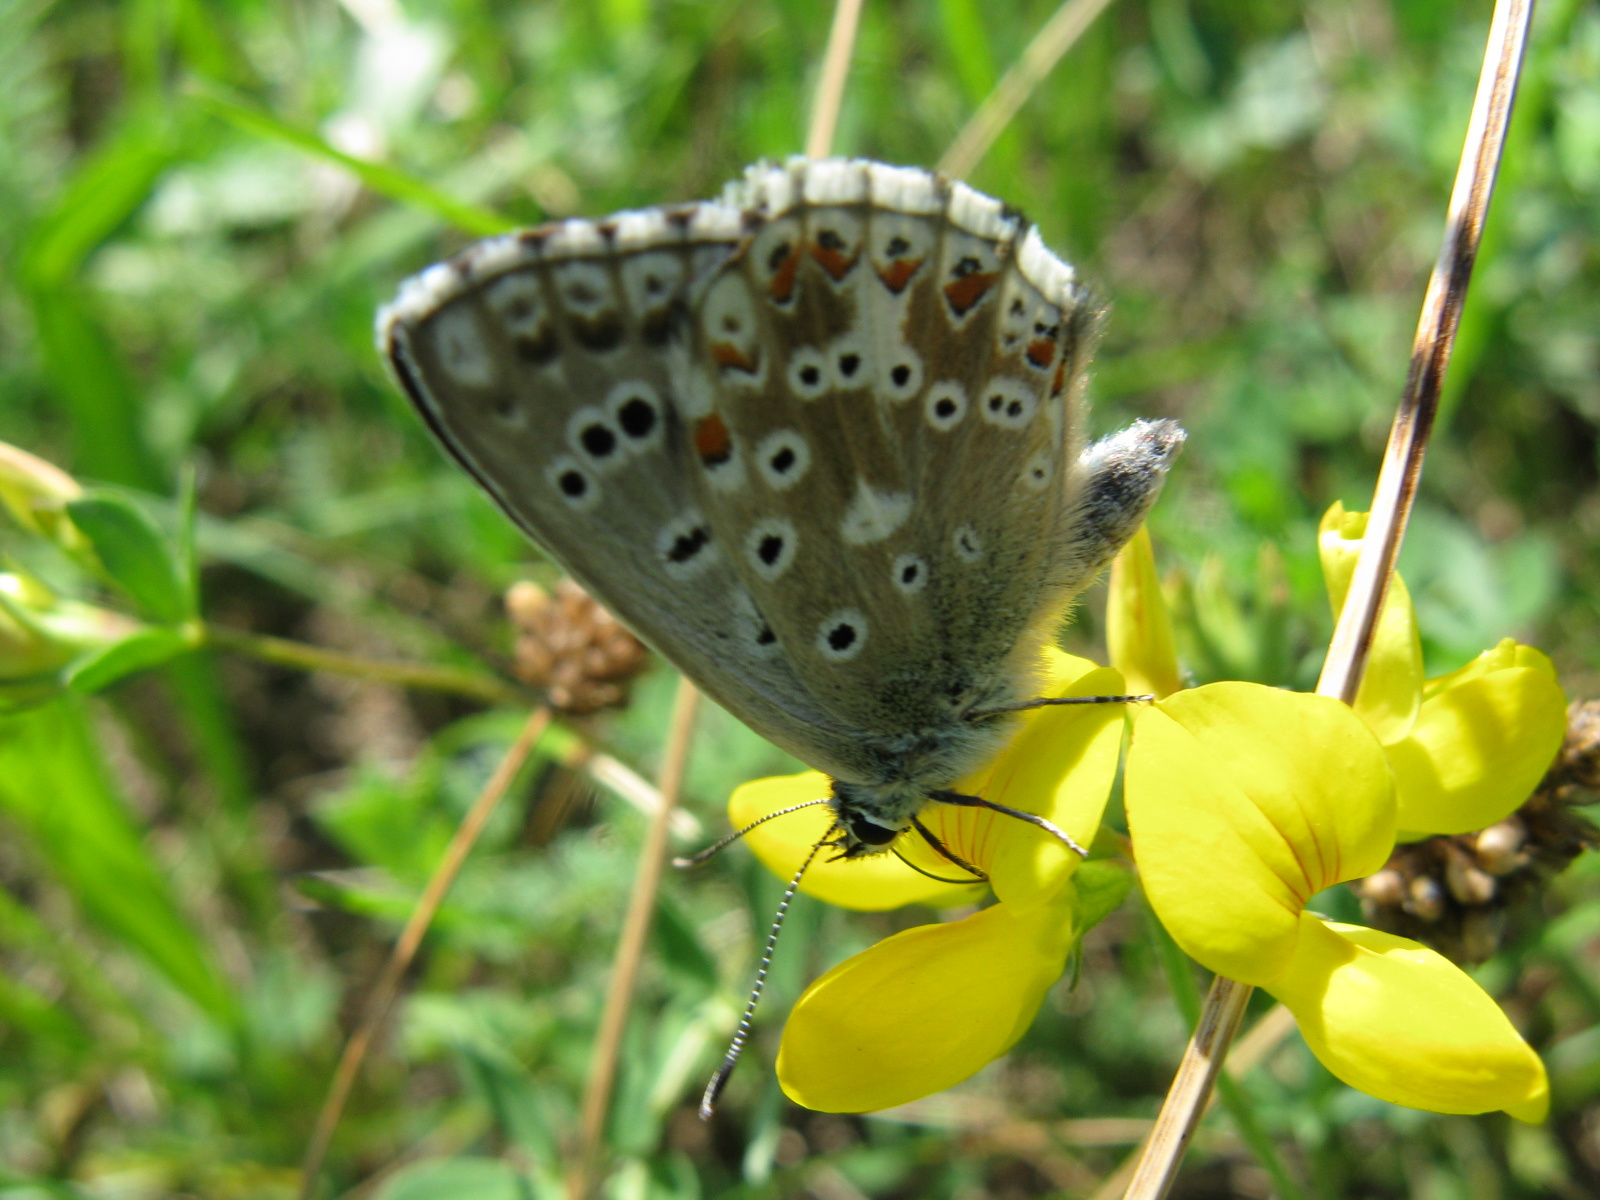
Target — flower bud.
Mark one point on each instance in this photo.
(1425, 898)
(36, 494)
(1466, 882)
(1499, 847)
(1387, 888)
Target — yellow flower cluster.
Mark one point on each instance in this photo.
(1243, 803)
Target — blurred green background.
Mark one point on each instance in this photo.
(203, 864)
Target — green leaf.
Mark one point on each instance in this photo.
(1103, 884)
(135, 554)
(145, 649)
(54, 787)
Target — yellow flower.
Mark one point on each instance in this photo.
(1244, 802)
(926, 1008)
(1467, 748)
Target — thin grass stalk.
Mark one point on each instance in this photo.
(381, 998)
(830, 82)
(476, 685)
(1055, 37)
(1249, 1052)
(588, 1162)
(1392, 502)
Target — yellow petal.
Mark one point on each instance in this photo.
(872, 884)
(1244, 802)
(1479, 747)
(1392, 1018)
(922, 1010)
(1391, 688)
(1508, 653)
(1060, 764)
(1061, 767)
(1138, 627)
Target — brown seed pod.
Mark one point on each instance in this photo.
(1456, 893)
(571, 648)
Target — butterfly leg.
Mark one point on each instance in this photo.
(1050, 827)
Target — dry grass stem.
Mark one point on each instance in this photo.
(830, 83)
(1430, 353)
(586, 1168)
(1053, 40)
(1391, 509)
(383, 992)
(1254, 1048)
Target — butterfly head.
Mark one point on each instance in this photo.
(870, 817)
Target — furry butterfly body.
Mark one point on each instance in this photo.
(820, 443)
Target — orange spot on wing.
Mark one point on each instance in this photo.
(1060, 381)
(782, 285)
(1041, 351)
(898, 273)
(726, 354)
(712, 441)
(965, 292)
(835, 262)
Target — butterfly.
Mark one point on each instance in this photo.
(819, 442)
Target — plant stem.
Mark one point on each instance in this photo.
(830, 83)
(1392, 502)
(587, 1163)
(476, 684)
(405, 948)
(1055, 37)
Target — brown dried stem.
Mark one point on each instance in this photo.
(1054, 39)
(381, 998)
(1392, 502)
(587, 1163)
(830, 83)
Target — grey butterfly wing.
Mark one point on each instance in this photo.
(541, 361)
(896, 364)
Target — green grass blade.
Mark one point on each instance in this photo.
(54, 786)
(383, 179)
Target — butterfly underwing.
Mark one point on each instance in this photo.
(819, 442)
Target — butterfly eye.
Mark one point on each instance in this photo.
(865, 829)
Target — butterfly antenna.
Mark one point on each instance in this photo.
(1046, 701)
(735, 1048)
(722, 843)
(964, 801)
